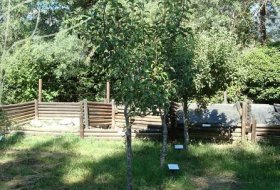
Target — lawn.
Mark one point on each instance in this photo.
(68, 162)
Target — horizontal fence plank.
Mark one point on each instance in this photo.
(22, 117)
(58, 115)
(101, 117)
(99, 114)
(61, 109)
(99, 103)
(17, 105)
(20, 114)
(94, 123)
(18, 109)
(94, 110)
(14, 112)
(59, 103)
(22, 121)
(69, 112)
(57, 118)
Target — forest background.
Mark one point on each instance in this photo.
(76, 46)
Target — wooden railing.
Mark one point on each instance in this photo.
(19, 114)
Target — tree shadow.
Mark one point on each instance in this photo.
(237, 167)
(57, 163)
(45, 166)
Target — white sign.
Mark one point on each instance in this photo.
(179, 147)
(173, 167)
(206, 125)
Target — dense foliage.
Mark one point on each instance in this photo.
(260, 77)
(76, 46)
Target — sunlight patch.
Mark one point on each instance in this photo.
(76, 176)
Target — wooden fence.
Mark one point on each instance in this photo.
(57, 110)
(94, 116)
(138, 122)
(19, 114)
(98, 114)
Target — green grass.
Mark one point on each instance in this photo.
(70, 163)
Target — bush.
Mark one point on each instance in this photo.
(58, 62)
(260, 77)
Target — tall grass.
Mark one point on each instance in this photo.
(71, 163)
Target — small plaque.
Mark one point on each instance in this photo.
(206, 125)
(179, 147)
(173, 167)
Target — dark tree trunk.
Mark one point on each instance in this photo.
(128, 149)
(164, 139)
(262, 17)
(186, 125)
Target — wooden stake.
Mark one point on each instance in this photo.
(86, 113)
(40, 91)
(225, 97)
(107, 92)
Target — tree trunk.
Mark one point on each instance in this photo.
(186, 125)
(164, 139)
(262, 28)
(128, 149)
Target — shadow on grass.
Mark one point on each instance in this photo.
(244, 166)
(57, 164)
(70, 163)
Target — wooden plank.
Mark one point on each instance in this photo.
(99, 114)
(76, 109)
(16, 105)
(101, 117)
(14, 112)
(99, 104)
(94, 110)
(57, 116)
(20, 114)
(268, 133)
(100, 121)
(145, 123)
(22, 121)
(69, 112)
(267, 128)
(94, 124)
(267, 125)
(60, 103)
(19, 109)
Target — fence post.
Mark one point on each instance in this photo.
(254, 130)
(244, 120)
(225, 97)
(86, 113)
(107, 92)
(40, 91)
(36, 110)
(113, 113)
(81, 121)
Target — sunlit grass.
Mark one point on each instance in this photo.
(71, 163)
